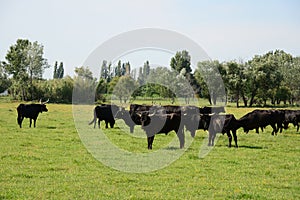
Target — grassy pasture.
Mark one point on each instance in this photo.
(51, 162)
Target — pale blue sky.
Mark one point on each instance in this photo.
(226, 30)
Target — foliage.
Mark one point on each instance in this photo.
(4, 81)
(84, 86)
(58, 71)
(25, 62)
(209, 74)
(124, 88)
(181, 60)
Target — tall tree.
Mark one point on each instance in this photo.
(25, 62)
(60, 70)
(85, 85)
(4, 81)
(118, 69)
(55, 70)
(210, 76)
(124, 88)
(104, 71)
(181, 60)
(266, 76)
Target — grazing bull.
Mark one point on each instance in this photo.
(156, 123)
(291, 116)
(30, 111)
(260, 119)
(106, 113)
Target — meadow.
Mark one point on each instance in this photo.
(51, 162)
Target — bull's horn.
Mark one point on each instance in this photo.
(152, 114)
(45, 102)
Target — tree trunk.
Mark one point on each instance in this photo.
(252, 98)
(237, 99)
(244, 99)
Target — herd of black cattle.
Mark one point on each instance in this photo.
(164, 119)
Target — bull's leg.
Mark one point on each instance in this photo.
(229, 138)
(274, 131)
(20, 119)
(112, 123)
(257, 130)
(235, 138)
(30, 121)
(279, 127)
(180, 135)
(106, 124)
(209, 138)
(34, 121)
(131, 128)
(193, 133)
(98, 123)
(213, 139)
(297, 127)
(150, 141)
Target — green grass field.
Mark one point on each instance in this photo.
(51, 162)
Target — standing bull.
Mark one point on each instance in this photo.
(30, 111)
(106, 113)
(156, 123)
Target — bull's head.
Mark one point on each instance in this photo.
(43, 105)
(120, 113)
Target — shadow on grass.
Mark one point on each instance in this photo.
(252, 147)
(171, 148)
(51, 127)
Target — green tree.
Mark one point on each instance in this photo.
(4, 81)
(118, 69)
(124, 88)
(267, 76)
(181, 60)
(104, 70)
(55, 70)
(235, 80)
(84, 85)
(25, 62)
(210, 76)
(60, 71)
(101, 90)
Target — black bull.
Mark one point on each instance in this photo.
(215, 123)
(262, 118)
(154, 124)
(30, 111)
(106, 113)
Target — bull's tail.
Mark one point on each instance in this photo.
(95, 118)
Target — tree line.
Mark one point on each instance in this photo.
(269, 78)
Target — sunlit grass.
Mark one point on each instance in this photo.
(51, 162)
